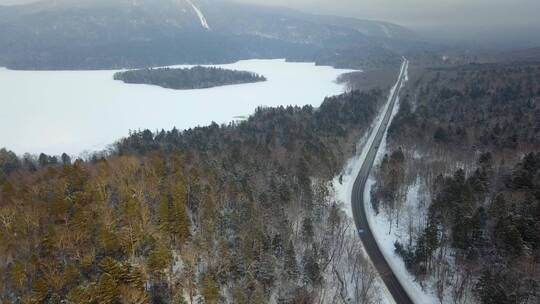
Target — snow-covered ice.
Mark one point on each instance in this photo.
(73, 111)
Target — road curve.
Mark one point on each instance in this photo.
(359, 211)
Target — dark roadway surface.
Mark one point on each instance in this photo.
(390, 280)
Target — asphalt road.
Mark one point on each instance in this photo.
(359, 212)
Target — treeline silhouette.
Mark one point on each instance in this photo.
(189, 78)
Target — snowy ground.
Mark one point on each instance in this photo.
(380, 227)
(343, 184)
(352, 168)
(379, 224)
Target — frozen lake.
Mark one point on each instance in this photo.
(76, 111)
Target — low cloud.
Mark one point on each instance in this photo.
(428, 14)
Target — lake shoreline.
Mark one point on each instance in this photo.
(75, 111)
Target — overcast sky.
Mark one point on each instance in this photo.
(478, 13)
(420, 13)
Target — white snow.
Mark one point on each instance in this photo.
(379, 225)
(73, 111)
(200, 14)
(353, 166)
(343, 190)
(349, 263)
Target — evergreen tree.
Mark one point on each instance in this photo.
(181, 223)
(312, 270)
(277, 245)
(210, 290)
(164, 213)
(498, 208)
(66, 159)
(290, 264)
(307, 229)
(159, 259)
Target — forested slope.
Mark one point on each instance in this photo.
(98, 34)
(235, 214)
(464, 148)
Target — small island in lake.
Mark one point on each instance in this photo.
(188, 78)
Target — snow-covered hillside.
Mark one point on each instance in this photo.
(103, 34)
(200, 14)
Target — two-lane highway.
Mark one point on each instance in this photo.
(359, 211)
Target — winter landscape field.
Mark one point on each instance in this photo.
(269, 152)
(88, 110)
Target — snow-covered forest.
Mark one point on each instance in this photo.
(243, 213)
(455, 194)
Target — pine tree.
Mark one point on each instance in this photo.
(108, 240)
(312, 270)
(239, 295)
(132, 229)
(290, 264)
(307, 229)
(334, 219)
(83, 295)
(107, 289)
(431, 235)
(40, 289)
(258, 296)
(210, 290)
(277, 245)
(18, 274)
(265, 271)
(180, 224)
(498, 208)
(159, 259)
(164, 213)
(66, 159)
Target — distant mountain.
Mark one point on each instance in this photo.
(528, 55)
(99, 34)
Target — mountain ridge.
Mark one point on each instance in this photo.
(138, 33)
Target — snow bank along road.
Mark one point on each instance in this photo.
(359, 212)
